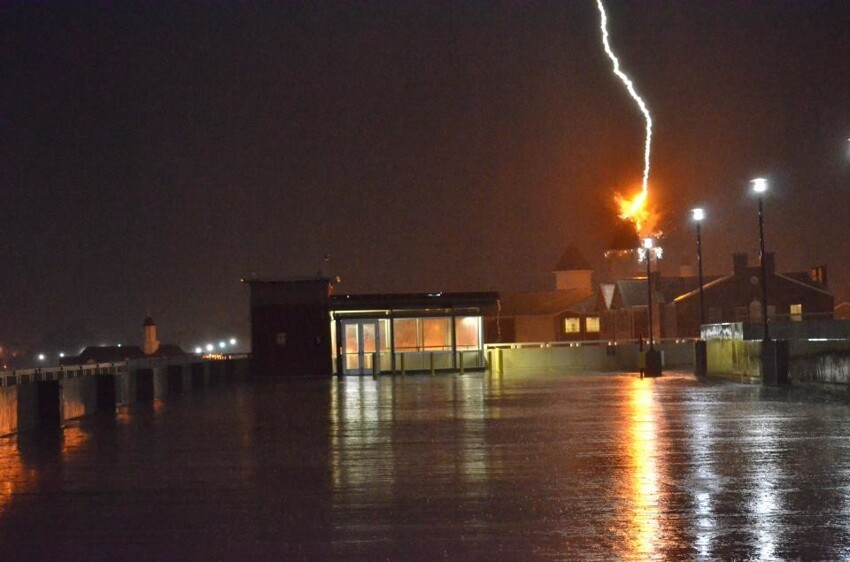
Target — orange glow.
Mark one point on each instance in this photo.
(645, 525)
(637, 211)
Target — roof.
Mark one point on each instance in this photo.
(572, 260)
(805, 281)
(104, 354)
(547, 302)
(419, 301)
(168, 350)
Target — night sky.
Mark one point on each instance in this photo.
(154, 153)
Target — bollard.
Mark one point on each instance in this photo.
(461, 361)
(499, 354)
(375, 365)
(490, 361)
(431, 358)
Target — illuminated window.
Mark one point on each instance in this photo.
(592, 323)
(468, 332)
(406, 334)
(436, 334)
(796, 311)
(572, 325)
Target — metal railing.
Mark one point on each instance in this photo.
(583, 343)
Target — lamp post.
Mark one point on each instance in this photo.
(698, 216)
(759, 188)
(647, 246)
(700, 349)
(652, 358)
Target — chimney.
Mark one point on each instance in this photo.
(818, 275)
(739, 263)
(770, 262)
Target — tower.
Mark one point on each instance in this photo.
(151, 344)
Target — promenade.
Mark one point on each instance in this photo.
(472, 467)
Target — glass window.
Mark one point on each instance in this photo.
(796, 311)
(406, 334)
(572, 325)
(436, 335)
(468, 332)
(384, 331)
(592, 323)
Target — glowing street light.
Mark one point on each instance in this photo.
(222, 345)
(698, 215)
(41, 357)
(759, 188)
(232, 341)
(210, 347)
(652, 357)
(199, 350)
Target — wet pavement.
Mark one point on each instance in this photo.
(455, 467)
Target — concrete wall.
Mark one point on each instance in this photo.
(820, 362)
(826, 362)
(24, 395)
(734, 359)
(585, 358)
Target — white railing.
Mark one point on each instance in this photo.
(584, 343)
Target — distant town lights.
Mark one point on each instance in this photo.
(199, 350)
(222, 344)
(210, 347)
(41, 357)
(232, 341)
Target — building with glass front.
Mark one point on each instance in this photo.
(299, 327)
(408, 332)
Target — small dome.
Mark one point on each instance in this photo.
(148, 322)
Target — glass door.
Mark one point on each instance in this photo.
(360, 346)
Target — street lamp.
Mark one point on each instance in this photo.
(698, 215)
(652, 358)
(759, 188)
(647, 251)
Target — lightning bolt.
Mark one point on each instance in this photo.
(603, 26)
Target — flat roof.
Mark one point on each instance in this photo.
(413, 301)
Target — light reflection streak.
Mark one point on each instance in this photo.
(765, 504)
(644, 523)
(703, 483)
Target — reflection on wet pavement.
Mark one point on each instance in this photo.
(474, 466)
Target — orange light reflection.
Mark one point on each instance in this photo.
(642, 446)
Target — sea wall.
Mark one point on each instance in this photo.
(48, 397)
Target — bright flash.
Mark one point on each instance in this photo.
(635, 209)
(632, 92)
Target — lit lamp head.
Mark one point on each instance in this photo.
(759, 186)
(697, 214)
(649, 249)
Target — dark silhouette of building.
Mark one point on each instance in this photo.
(792, 297)
(566, 313)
